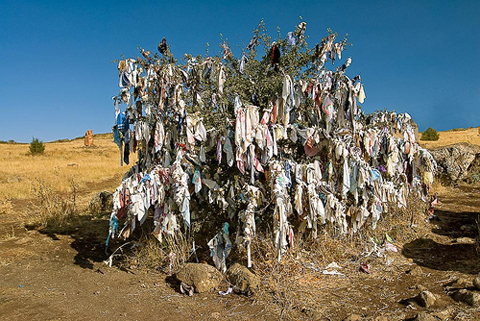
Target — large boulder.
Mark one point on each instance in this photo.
(242, 279)
(454, 161)
(202, 277)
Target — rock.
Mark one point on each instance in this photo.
(469, 297)
(243, 280)
(454, 161)
(353, 317)
(101, 202)
(416, 271)
(388, 318)
(426, 299)
(468, 229)
(463, 283)
(476, 282)
(24, 240)
(465, 240)
(420, 287)
(424, 316)
(202, 277)
(446, 314)
(88, 138)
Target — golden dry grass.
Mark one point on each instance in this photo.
(470, 135)
(92, 169)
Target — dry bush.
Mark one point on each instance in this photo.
(147, 253)
(402, 224)
(50, 208)
(293, 284)
(101, 203)
(5, 207)
(278, 278)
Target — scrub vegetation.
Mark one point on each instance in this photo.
(430, 134)
(36, 146)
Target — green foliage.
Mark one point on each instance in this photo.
(476, 177)
(36, 146)
(259, 84)
(10, 141)
(430, 134)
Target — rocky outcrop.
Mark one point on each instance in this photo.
(457, 162)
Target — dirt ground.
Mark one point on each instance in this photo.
(60, 275)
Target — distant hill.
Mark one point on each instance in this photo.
(452, 136)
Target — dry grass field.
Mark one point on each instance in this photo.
(98, 168)
(470, 135)
(63, 164)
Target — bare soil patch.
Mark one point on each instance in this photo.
(51, 274)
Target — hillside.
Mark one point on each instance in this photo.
(91, 168)
(469, 135)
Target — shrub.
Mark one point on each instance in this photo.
(430, 134)
(36, 146)
(51, 209)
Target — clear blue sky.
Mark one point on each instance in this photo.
(422, 57)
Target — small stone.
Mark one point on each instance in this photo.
(463, 283)
(424, 316)
(446, 314)
(242, 279)
(420, 287)
(386, 318)
(416, 271)
(469, 297)
(476, 282)
(426, 299)
(353, 317)
(465, 240)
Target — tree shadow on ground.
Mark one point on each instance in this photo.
(455, 225)
(88, 233)
(452, 256)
